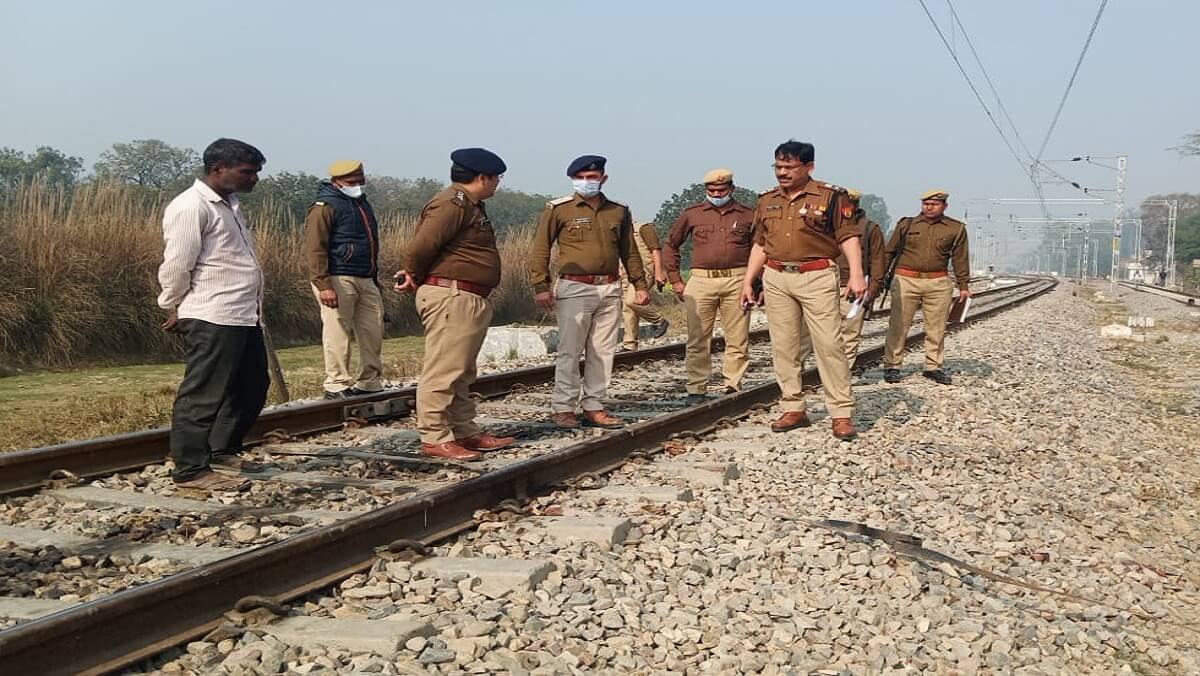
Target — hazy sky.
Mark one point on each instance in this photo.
(665, 90)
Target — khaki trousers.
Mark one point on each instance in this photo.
(631, 312)
(851, 332)
(358, 318)
(456, 323)
(933, 296)
(808, 300)
(588, 317)
(703, 299)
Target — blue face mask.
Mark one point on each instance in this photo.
(586, 187)
(719, 201)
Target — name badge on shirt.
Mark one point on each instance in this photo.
(773, 206)
(582, 219)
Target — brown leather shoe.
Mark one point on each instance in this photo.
(449, 450)
(790, 421)
(601, 418)
(844, 429)
(565, 420)
(485, 442)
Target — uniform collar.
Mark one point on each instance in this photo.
(940, 219)
(579, 199)
(809, 187)
(459, 187)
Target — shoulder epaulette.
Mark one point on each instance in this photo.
(954, 221)
(318, 203)
(766, 192)
(460, 198)
(620, 204)
(834, 187)
(560, 200)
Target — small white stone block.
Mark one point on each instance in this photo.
(505, 343)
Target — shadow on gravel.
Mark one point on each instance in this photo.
(968, 367)
(896, 404)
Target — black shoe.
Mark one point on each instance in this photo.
(938, 376)
(337, 395)
(695, 399)
(660, 329)
(891, 375)
(355, 392)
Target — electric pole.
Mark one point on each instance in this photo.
(1118, 206)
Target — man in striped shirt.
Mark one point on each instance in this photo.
(212, 290)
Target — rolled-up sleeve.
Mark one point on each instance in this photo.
(183, 229)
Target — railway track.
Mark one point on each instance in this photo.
(122, 628)
(1177, 296)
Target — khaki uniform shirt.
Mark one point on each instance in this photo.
(871, 236)
(454, 239)
(807, 227)
(590, 241)
(646, 238)
(721, 237)
(930, 245)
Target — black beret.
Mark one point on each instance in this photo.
(586, 163)
(479, 160)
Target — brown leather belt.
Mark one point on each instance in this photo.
(908, 272)
(709, 272)
(591, 279)
(819, 264)
(469, 287)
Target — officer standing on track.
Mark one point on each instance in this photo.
(871, 237)
(799, 228)
(925, 244)
(341, 242)
(721, 229)
(650, 251)
(594, 236)
(454, 265)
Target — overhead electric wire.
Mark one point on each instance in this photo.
(978, 96)
(1071, 82)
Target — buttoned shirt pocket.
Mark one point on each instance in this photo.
(577, 230)
(945, 243)
(739, 233)
(703, 233)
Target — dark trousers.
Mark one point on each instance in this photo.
(224, 388)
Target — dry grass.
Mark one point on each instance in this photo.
(78, 277)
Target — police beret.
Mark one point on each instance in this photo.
(935, 195)
(586, 163)
(718, 176)
(854, 194)
(345, 168)
(479, 160)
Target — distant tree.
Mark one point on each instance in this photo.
(403, 195)
(1190, 145)
(509, 208)
(695, 193)
(47, 164)
(293, 192)
(876, 209)
(150, 164)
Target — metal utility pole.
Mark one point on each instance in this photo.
(1118, 205)
(1172, 215)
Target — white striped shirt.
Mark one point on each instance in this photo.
(209, 271)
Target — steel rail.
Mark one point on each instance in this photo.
(119, 630)
(1169, 294)
(26, 470)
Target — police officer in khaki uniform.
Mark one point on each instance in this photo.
(721, 229)
(454, 265)
(871, 237)
(649, 248)
(341, 241)
(594, 236)
(925, 245)
(799, 228)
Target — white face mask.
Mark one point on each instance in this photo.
(351, 191)
(719, 201)
(586, 187)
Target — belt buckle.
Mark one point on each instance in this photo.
(790, 268)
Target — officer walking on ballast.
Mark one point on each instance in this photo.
(925, 245)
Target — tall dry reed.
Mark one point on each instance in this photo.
(78, 276)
